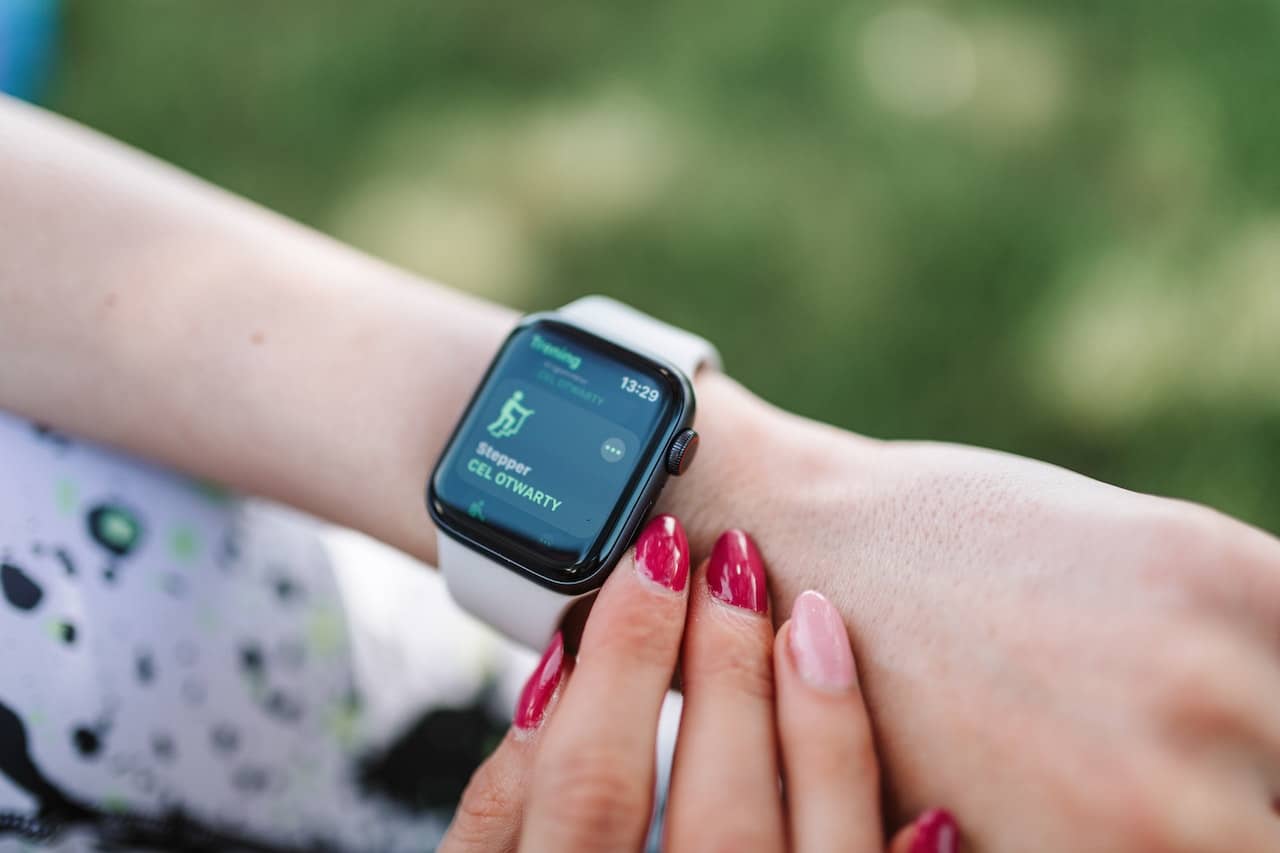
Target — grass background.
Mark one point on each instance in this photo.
(1050, 228)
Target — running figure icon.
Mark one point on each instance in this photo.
(511, 418)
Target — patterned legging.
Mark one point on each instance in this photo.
(182, 669)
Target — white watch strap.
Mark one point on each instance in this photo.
(518, 607)
(615, 321)
(521, 608)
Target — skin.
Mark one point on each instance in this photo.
(1065, 664)
(581, 780)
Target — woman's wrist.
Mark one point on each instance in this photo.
(740, 459)
(787, 480)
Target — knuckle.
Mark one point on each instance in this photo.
(1187, 548)
(854, 757)
(595, 795)
(862, 737)
(486, 808)
(1185, 822)
(739, 668)
(647, 637)
(483, 804)
(1171, 545)
(1144, 829)
(835, 757)
(1185, 675)
(1174, 811)
(1202, 687)
(1130, 815)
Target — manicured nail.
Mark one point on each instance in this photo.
(662, 552)
(541, 686)
(736, 573)
(936, 832)
(820, 644)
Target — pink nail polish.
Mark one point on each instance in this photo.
(541, 686)
(820, 644)
(936, 832)
(662, 552)
(736, 572)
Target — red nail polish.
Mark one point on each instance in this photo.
(541, 686)
(662, 552)
(736, 573)
(936, 832)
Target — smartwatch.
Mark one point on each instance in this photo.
(560, 455)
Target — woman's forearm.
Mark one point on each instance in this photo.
(148, 310)
(145, 309)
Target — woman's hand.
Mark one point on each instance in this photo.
(576, 771)
(1066, 664)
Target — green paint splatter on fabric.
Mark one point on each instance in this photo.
(61, 631)
(115, 803)
(341, 721)
(213, 492)
(326, 633)
(184, 544)
(66, 496)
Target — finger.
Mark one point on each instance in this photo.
(829, 763)
(934, 831)
(593, 776)
(492, 807)
(724, 785)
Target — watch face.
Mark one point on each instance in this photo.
(560, 453)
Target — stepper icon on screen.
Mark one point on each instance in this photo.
(511, 417)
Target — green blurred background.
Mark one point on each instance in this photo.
(1050, 228)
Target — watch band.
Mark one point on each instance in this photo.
(618, 322)
(516, 606)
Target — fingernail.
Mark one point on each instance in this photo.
(662, 552)
(736, 573)
(820, 644)
(541, 686)
(936, 832)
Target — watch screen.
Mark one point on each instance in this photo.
(556, 444)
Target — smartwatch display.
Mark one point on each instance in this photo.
(559, 457)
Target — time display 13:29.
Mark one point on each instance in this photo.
(641, 390)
